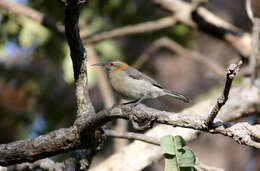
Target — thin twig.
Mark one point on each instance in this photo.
(255, 49)
(148, 53)
(231, 73)
(132, 136)
(255, 38)
(172, 45)
(145, 27)
(249, 10)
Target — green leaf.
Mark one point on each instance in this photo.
(188, 169)
(177, 156)
(171, 164)
(167, 146)
(179, 142)
(186, 157)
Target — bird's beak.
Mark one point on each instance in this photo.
(98, 65)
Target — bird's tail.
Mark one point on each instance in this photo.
(177, 96)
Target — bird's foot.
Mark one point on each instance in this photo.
(141, 123)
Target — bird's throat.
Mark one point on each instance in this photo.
(123, 66)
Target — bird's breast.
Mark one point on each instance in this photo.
(120, 83)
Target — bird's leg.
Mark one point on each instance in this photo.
(139, 101)
(135, 102)
(131, 102)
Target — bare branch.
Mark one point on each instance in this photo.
(79, 59)
(196, 122)
(231, 73)
(44, 164)
(210, 23)
(30, 150)
(252, 8)
(132, 136)
(145, 27)
(170, 44)
(148, 53)
(249, 10)
(255, 49)
(23, 10)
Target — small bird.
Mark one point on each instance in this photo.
(132, 84)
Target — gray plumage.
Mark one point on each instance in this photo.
(132, 84)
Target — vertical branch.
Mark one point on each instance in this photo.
(254, 53)
(253, 14)
(249, 10)
(77, 50)
(78, 55)
(231, 73)
(79, 60)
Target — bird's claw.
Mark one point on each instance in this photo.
(141, 125)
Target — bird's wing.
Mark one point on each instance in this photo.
(135, 74)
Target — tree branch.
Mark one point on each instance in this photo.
(170, 44)
(255, 49)
(242, 133)
(145, 27)
(231, 73)
(79, 60)
(44, 164)
(23, 10)
(132, 136)
(30, 150)
(210, 23)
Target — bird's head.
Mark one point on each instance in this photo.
(113, 65)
